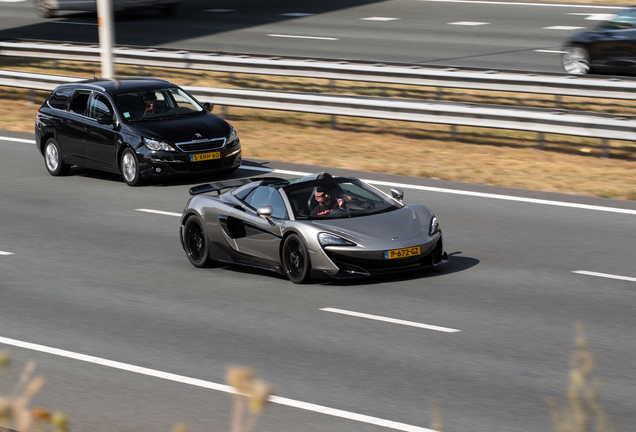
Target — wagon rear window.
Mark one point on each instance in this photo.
(59, 98)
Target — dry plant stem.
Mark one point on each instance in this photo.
(581, 412)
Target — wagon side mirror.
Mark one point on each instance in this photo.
(106, 119)
(266, 212)
(397, 194)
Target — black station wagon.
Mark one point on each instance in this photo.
(141, 128)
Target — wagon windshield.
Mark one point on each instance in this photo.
(156, 104)
(337, 198)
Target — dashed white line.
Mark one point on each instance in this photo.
(6, 253)
(578, 6)
(212, 385)
(563, 28)
(391, 320)
(161, 212)
(73, 22)
(468, 23)
(302, 37)
(605, 275)
(550, 51)
(297, 14)
(379, 19)
(594, 17)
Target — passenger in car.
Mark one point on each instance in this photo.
(150, 99)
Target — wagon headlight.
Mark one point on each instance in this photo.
(155, 145)
(232, 137)
(326, 239)
(434, 227)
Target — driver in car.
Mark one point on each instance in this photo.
(325, 205)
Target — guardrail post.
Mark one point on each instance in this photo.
(440, 93)
(334, 119)
(606, 150)
(540, 141)
(453, 133)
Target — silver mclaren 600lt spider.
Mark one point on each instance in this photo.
(317, 226)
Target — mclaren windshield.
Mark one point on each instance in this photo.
(338, 197)
(156, 104)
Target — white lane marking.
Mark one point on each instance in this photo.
(391, 320)
(594, 17)
(20, 140)
(6, 253)
(550, 51)
(605, 275)
(467, 193)
(161, 212)
(563, 28)
(72, 22)
(578, 6)
(297, 14)
(219, 10)
(379, 19)
(426, 188)
(211, 385)
(468, 23)
(301, 37)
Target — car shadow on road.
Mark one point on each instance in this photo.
(456, 263)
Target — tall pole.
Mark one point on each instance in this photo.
(106, 32)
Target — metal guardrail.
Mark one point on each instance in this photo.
(475, 79)
(538, 120)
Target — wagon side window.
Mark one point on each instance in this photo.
(79, 102)
(100, 106)
(59, 98)
(267, 196)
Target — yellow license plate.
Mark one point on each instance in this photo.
(205, 156)
(402, 253)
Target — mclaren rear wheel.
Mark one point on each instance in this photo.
(296, 259)
(195, 242)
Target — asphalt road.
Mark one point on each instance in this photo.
(83, 270)
(525, 36)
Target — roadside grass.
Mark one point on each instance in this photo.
(557, 163)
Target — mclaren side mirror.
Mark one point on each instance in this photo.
(266, 212)
(208, 106)
(397, 194)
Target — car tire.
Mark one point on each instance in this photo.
(129, 166)
(295, 259)
(195, 242)
(576, 60)
(53, 159)
(43, 9)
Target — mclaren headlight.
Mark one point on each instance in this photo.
(326, 239)
(155, 145)
(434, 227)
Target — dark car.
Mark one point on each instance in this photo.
(274, 224)
(610, 47)
(139, 127)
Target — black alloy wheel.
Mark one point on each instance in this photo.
(196, 243)
(53, 159)
(296, 259)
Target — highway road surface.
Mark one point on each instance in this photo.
(95, 288)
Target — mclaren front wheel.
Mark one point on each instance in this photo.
(296, 259)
